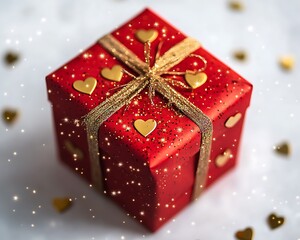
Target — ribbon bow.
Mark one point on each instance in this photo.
(152, 78)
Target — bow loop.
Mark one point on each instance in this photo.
(175, 55)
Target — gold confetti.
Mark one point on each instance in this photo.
(61, 204)
(283, 149)
(145, 127)
(196, 79)
(87, 86)
(275, 221)
(73, 150)
(246, 234)
(9, 116)
(146, 35)
(114, 74)
(11, 57)
(223, 158)
(240, 55)
(231, 121)
(236, 5)
(287, 62)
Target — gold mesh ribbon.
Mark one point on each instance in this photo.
(151, 77)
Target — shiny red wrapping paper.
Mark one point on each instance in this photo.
(150, 177)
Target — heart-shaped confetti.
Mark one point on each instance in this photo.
(114, 74)
(236, 5)
(195, 79)
(246, 234)
(283, 149)
(9, 116)
(275, 221)
(11, 57)
(287, 62)
(145, 127)
(61, 204)
(73, 150)
(240, 55)
(146, 35)
(87, 86)
(230, 122)
(223, 158)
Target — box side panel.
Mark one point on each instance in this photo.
(70, 134)
(227, 139)
(136, 192)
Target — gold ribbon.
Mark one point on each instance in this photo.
(150, 77)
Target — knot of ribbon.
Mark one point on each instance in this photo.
(152, 74)
(151, 77)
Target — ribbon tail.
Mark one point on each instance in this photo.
(99, 114)
(205, 126)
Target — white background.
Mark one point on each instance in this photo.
(48, 33)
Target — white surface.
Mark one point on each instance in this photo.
(48, 33)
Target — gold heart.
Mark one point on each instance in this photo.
(223, 158)
(283, 149)
(287, 62)
(87, 86)
(76, 152)
(246, 234)
(274, 221)
(145, 127)
(11, 57)
(114, 74)
(61, 204)
(10, 116)
(230, 122)
(236, 5)
(195, 79)
(146, 35)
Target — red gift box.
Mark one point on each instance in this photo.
(147, 159)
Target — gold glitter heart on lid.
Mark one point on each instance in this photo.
(231, 121)
(223, 158)
(283, 149)
(114, 74)
(73, 150)
(146, 35)
(9, 116)
(246, 234)
(195, 79)
(145, 127)
(87, 86)
(275, 221)
(61, 204)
